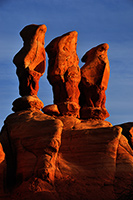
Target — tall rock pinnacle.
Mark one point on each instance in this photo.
(30, 60)
(64, 72)
(94, 80)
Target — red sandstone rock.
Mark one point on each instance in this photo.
(70, 122)
(27, 103)
(87, 163)
(34, 139)
(64, 73)
(51, 110)
(64, 157)
(2, 154)
(92, 124)
(124, 176)
(94, 80)
(2, 171)
(30, 60)
(94, 161)
(127, 131)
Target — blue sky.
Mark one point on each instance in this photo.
(96, 21)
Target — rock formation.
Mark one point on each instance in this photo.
(65, 157)
(30, 60)
(64, 73)
(2, 172)
(85, 159)
(36, 150)
(127, 131)
(27, 102)
(94, 80)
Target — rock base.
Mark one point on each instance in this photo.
(94, 113)
(65, 158)
(69, 108)
(27, 103)
(51, 110)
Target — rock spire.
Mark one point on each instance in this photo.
(30, 62)
(94, 81)
(64, 72)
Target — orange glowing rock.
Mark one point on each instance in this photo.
(2, 170)
(30, 60)
(2, 154)
(36, 140)
(94, 81)
(63, 157)
(64, 72)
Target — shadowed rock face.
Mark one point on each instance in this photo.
(94, 80)
(30, 60)
(64, 72)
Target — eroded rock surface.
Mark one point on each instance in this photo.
(31, 141)
(63, 157)
(94, 80)
(27, 103)
(127, 131)
(87, 159)
(30, 60)
(64, 73)
(94, 162)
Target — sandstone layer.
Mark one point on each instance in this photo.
(64, 73)
(65, 158)
(94, 80)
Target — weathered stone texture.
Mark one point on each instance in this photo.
(64, 72)
(87, 159)
(94, 80)
(30, 60)
(51, 110)
(127, 131)
(31, 145)
(62, 157)
(27, 103)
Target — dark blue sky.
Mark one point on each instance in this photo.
(96, 21)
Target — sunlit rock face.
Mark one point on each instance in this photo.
(2, 171)
(94, 81)
(30, 60)
(31, 141)
(64, 73)
(64, 156)
(30, 102)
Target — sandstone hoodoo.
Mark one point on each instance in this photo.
(65, 156)
(64, 73)
(30, 60)
(94, 81)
